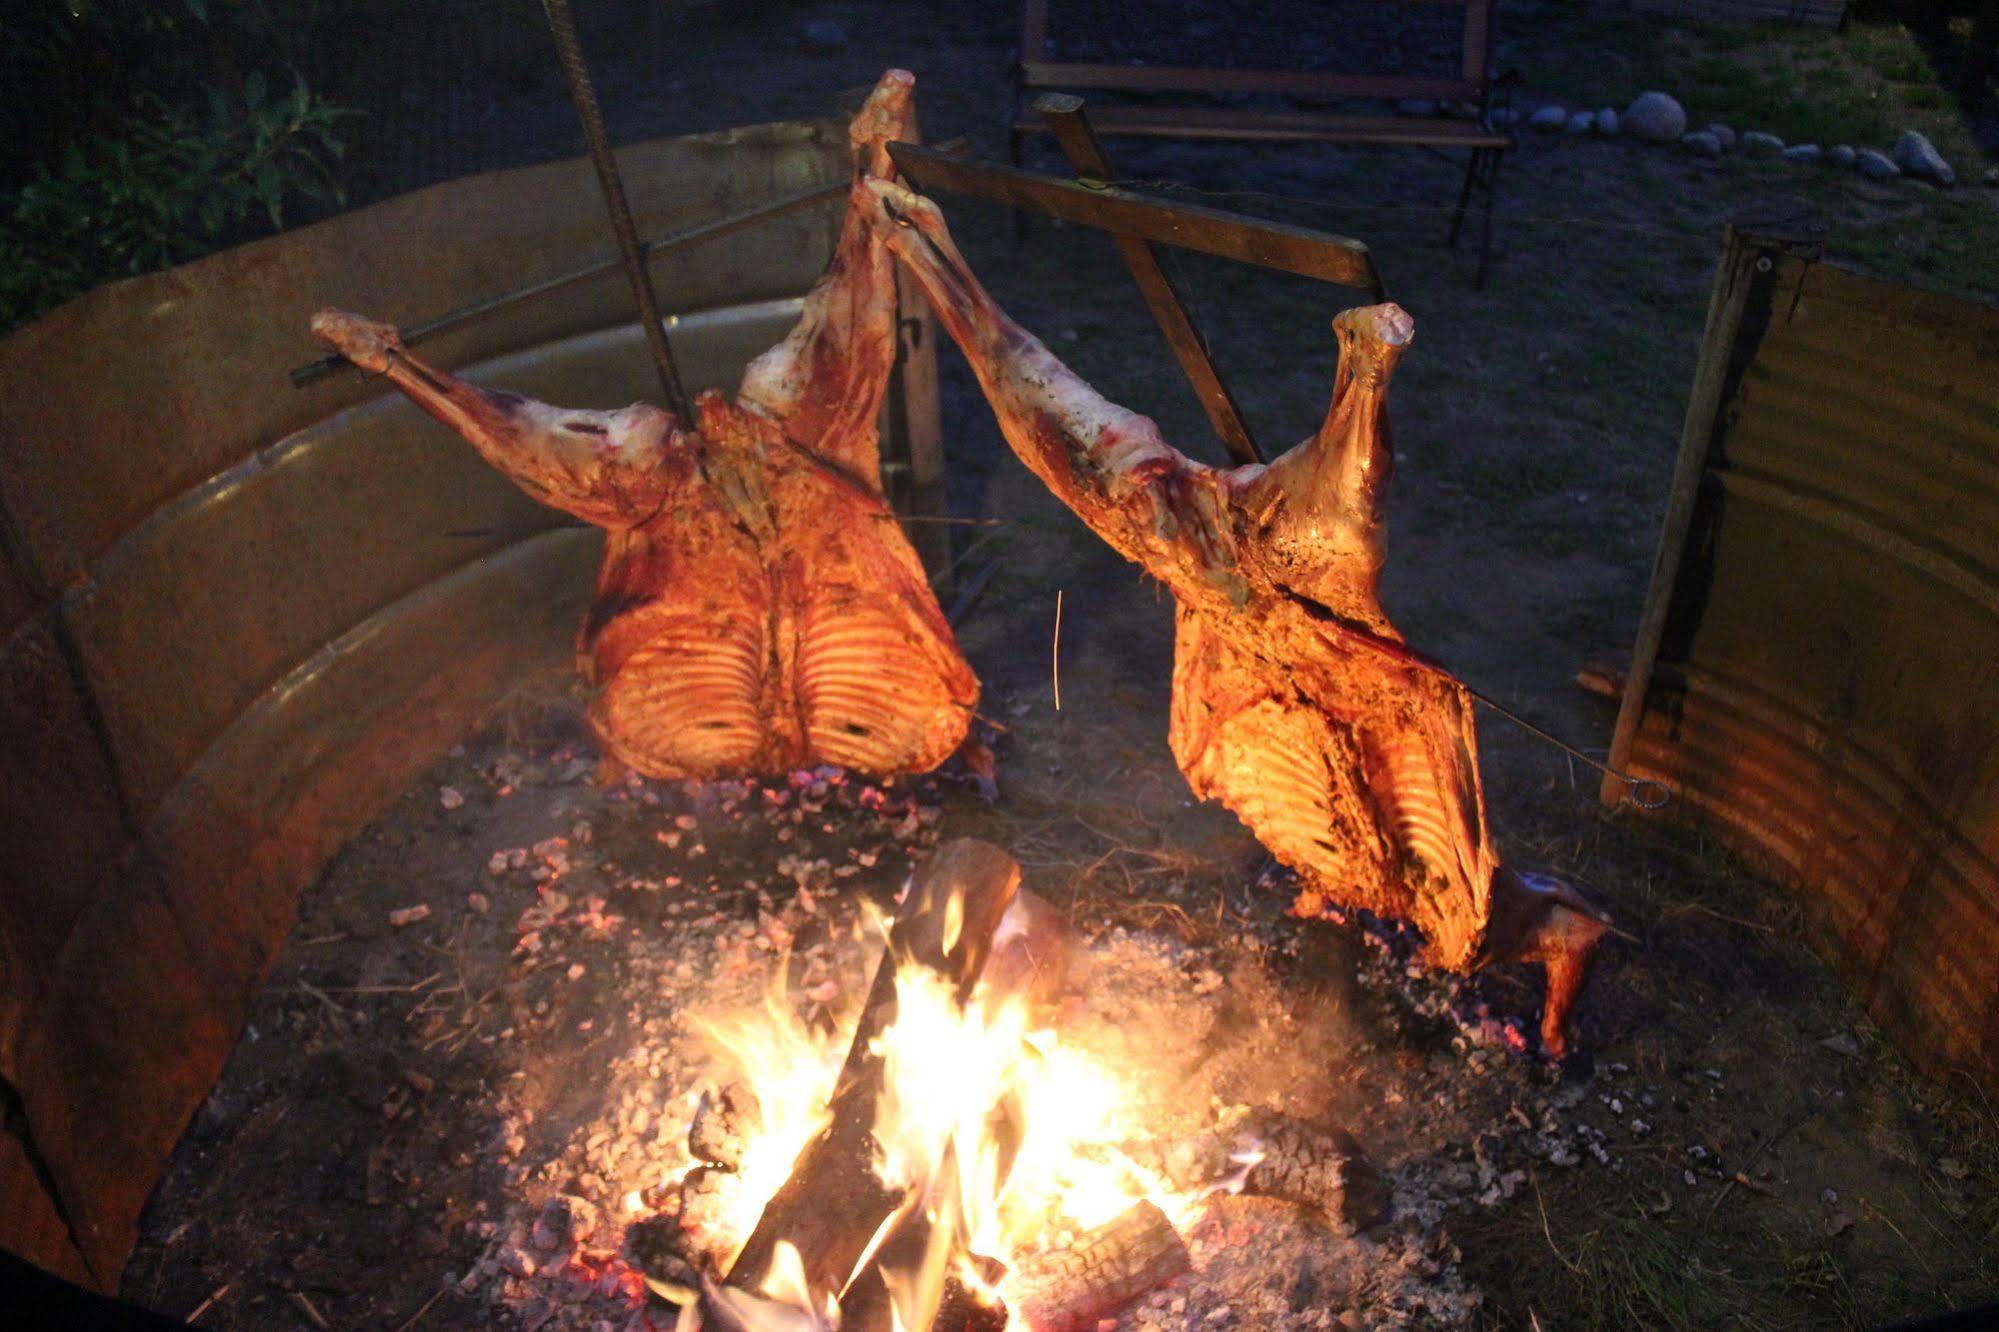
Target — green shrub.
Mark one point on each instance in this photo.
(186, 169)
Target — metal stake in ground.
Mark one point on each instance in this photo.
(562, 23)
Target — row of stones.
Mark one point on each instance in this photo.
(1659, 118)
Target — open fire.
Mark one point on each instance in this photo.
(941, 1158)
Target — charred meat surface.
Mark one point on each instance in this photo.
(1295, 701)
(758, 608)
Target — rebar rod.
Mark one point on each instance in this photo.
(562, 23)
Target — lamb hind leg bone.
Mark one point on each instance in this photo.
(1295, 701)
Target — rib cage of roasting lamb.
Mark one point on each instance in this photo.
(758, 608)
(1295, 701)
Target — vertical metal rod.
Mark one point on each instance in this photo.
(562, 23)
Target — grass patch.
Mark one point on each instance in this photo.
(1862, 86)
(1950, 242)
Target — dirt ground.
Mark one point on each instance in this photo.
(1791, 1171)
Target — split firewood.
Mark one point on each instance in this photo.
(1028, 965)
(1103, 1271)
(1030, 961)
(724, 1119)
(758, 609)
(833, 1203)
(1295, 701)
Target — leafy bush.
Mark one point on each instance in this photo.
(182, 175)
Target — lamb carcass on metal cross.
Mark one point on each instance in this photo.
(1295, 701)
(758, 608)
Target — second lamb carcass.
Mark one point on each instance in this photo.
(758, 608)
(1295, 701)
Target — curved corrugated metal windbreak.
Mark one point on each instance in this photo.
(1817, 670)
(236, 618)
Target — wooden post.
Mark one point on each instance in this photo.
(1064, 115)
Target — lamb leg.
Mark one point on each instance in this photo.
(613, 469)
(826, 380)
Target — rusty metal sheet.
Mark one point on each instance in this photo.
(339, 738)
(17, 598)
(271, 625)
(140, 390)
(29, 1219)
(128, 1042)
(1817, 671)
(202, 607)
(61, 830)
(149, 990)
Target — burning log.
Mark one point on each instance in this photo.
(758, 609)
(1029, 964)
(1103, 1271)
(1295, 701)
(834, 1205)
(1319, 1168)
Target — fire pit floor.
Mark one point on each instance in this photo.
(474, 1066)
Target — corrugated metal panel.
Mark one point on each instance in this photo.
(268, 614)
(1817, 671)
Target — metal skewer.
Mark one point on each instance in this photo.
(562, 23)
(671, 243)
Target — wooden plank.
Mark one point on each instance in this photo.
(1227, 122)
(1290, 82)
(1064, 114)
(1033, 30)
(1279, 245)
(1478, 40)
(1726, 303)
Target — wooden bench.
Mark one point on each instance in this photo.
(1472, 83)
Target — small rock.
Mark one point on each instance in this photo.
(1582, 122)
(823, 34)
(1844, 1043)
(479, 902)
(1759, 144)
(1416, 106)
(1804, 154)
(1917, 156)
(1548, 119)
(1656, 117)
(409, 915)
(450, 797)
(1702, 143)
(1829, 1197)
(1842, 156)
(1607, 123)
(1723, 135)
(1876, 165)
